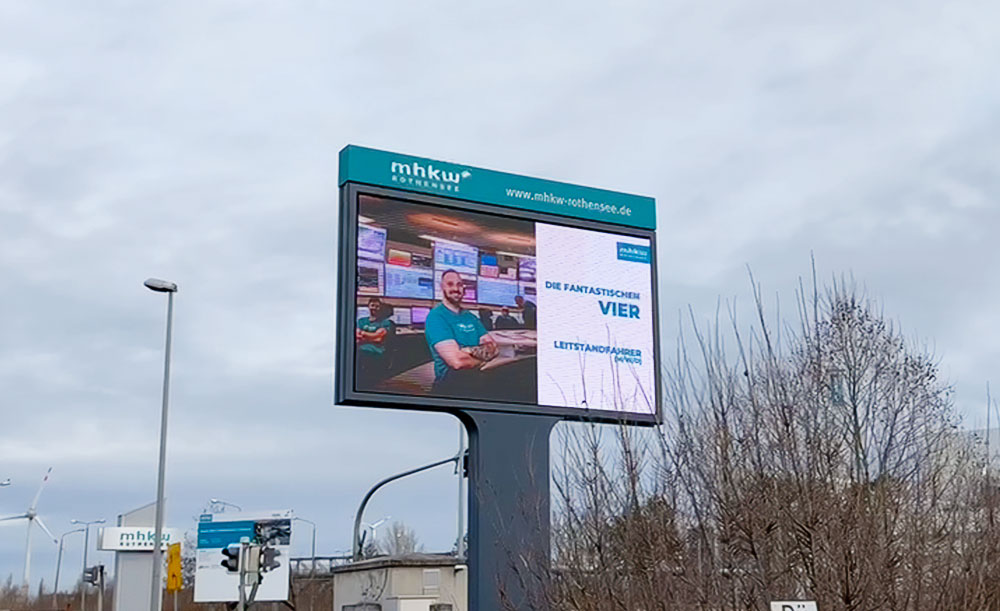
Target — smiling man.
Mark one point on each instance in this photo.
(458, 341)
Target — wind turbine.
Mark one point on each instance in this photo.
(374, 528)
(32, 516)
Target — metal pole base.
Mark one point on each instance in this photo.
(509, 543)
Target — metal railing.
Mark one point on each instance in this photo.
(324, 565)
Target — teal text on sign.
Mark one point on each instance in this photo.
(385, 169)
(634, 252)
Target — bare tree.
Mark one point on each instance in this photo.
(398, 540)
(819, 460)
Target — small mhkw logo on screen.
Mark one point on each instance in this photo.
(634, 252)
(427, 175)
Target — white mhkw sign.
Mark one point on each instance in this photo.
(794, 605)
(136, 538)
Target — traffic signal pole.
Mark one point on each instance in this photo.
(95, 576)
(250, 559)
(244, 548)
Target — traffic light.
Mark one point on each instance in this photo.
(269, 558)
(232, 557)
(94, 574)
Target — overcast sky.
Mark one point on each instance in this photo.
(197, 141)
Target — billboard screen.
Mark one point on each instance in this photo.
(212, 582)
(575, 332)
(463, 287)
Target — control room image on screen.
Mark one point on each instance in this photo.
(462, 304)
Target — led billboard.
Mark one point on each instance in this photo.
(523, 310)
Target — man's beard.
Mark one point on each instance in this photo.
(455, 301)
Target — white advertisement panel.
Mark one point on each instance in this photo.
(135, 538)
(212, 582)
(595, 313)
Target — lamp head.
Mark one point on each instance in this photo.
(160, 286)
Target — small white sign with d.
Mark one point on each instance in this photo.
(794, 605)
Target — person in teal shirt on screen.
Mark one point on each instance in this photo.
(372, 335)
(458, 341)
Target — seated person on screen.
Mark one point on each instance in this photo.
(458, 341)
(486, 317)
(529, 311)
(371, 336)
(505, 320)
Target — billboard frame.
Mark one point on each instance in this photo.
(345, 392)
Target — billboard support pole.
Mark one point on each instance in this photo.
(509, 542)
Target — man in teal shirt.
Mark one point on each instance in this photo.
(458, 341)
(371, 336)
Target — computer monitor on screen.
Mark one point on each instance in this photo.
(401, 316)
(418, 315)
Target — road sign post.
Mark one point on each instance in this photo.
(94, 575)
(100, 587)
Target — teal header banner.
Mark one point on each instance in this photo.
(384, 169)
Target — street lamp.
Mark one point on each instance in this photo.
(55, 588)
(312, 571)
(224, 504)
(156, 596)
(86, 544)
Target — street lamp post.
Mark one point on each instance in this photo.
(55, 588)
(86, 544)
(156, 596)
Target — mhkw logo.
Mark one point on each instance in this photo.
(139, 537)
(428, 175)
